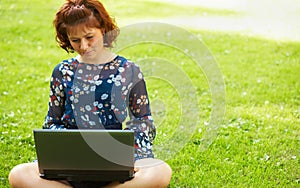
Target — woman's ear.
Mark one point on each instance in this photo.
(102, 31)
(104, 35)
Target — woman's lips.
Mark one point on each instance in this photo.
(87, 53)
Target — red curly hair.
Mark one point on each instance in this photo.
(91, 13)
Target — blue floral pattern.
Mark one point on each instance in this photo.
(90, 96)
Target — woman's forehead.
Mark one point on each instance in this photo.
(81, 30)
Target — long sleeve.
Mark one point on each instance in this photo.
(53, 119)
(140, 117)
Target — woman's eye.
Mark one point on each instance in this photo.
(75, 40)
(89, 37)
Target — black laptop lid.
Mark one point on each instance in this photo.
(104, 155)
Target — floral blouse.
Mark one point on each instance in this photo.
(97, 96)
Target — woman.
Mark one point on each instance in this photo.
(94, 90)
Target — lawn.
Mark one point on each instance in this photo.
(257, 141)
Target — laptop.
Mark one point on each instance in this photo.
(85, 155)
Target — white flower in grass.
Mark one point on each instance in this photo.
(12, 114)
(266, 157)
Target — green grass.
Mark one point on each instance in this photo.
(156, 9)
(257, 143)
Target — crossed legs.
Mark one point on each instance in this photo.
(148, 173)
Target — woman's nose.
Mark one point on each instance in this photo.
(84, 44)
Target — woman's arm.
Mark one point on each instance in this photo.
(56, 103)
(141, 121)
(149, 172)
(140, 114)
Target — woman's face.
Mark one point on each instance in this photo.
(86, 41)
